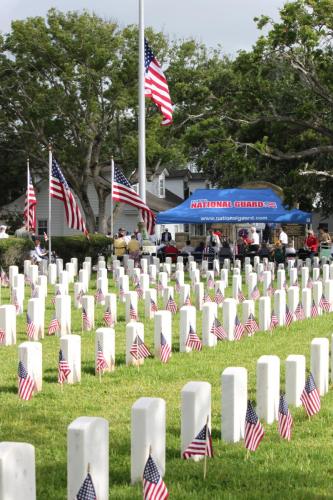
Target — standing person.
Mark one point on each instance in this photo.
(120, 246)
(283, 237)
(3, 234)
(133, 248)
(254, 238)
(166, 236)
(324, 236)
(311, 242)
(212, 238)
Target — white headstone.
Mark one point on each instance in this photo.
(63, 313)
(293, 299)
(252, 283)
(305, 276)
(236, 285)
(102, 284)
(74, 261)
(307, 301)
(234, 403)
(17, 471)
(187, 318)
(184, 293)
(268, 388)
(209, 313)
(320, 364)
(105, 339)
(84, 279)
(132, 330)
(131, 298)
(30, 354)
(317, 291)
(247, 309)
(281, 279)
(229, 316)
(168, 292)
(295, 378)
(36, 311)
(42, 282)
(198, 294)
(70, 272)
(280, 306)
(149, 296)
(88, 304)
(13, 271)
(8, 323)
(52, 274)
(71, 348)
(267, 281)
(111, 303)
(162, 325)
(78, 290)
(264, 313)
(60, 266)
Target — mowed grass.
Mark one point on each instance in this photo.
(302, 468)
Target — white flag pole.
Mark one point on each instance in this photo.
(142, 124)
(111, 201)
(50, 205)
(28, 202)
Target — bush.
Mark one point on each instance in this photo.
(67, 247)
(13, 251)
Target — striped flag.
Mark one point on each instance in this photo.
(58, 292)
(251, 326)
(314, 310)
(210, 283)
(138, 349)
(187, 301)
(63, 368)
(60, 190)
(289, 317)
(206, 298)
(324, 304)
(240, 296)
(310, 397)
(107, 318)
(171, 305)
(4, 278)
(2, 335)
(254, 431)
(16, 303)
(30, 205)
(156, 86)
(53, 326)
(132, 312)
(139, 290)
(26, 383)
(165, 349)
(99, 296)
(101, 364)
(274, 321)
(122, 191)
(299, 312)
(153, 306)
(87, 490)
(154, 487)
(218, 330)
(201, 444)
(219, 297)
(87, 324)
(285, 420)
(309, 283)
(255, 294)
(239, 329)
(270, 290)
(193, 340)
(30, 327)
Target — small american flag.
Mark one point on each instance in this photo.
(309, 283)
(99, 296)
(171, 305)
(153, 306)
(139, 290)
(30, 327)
(240, 295)
(53, 326)
(210, 283)
(2, 335)
(206, 298)
(299, 311)
(285, 419)
(16, 303)
(274, 321)
(187, 301)
(193, 340)
(314, 310)
(4, 278)
(165, 349)
(270, 290)
(138, 349)
(154, 487)
(63, 368)
(87, 324)
(261, 277)
(159, 286)
(87, 490)
(107, 318)
(26, 384)
(58, 292)
(79, 296)
(201, 444)
(219, 297)
(251, 326)
(132, 312)
(288, 317)
(254, 431)
(101, 364)
(218, 330)
(310, 397)
(324, 304)
(239, 329)
(255, 294)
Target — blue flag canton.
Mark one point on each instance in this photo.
(202, 434)
(251, 416)
(163, 339)
(310, 384)
(22, 372)
(61, 356)
(151, 472)
(120, 178)
(149, 56)
(283, 406)
(57, 173)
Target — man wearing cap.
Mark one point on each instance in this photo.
(3, 234)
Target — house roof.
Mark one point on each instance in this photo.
(159, 204)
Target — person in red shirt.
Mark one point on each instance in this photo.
(311, 242)
(170, 250)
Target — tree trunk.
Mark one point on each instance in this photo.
(88, 212)
(102, 221)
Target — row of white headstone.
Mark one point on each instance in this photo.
(88, 437)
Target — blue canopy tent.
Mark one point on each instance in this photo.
(233, 206)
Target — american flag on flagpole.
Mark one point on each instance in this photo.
(30, 205)
(324, 304)
(87, 324)
(171, 305)
(239, 329)
(201, 444)
(219, 297)
(206, 298)
(107, 318)
(218, 330)
(285, 420)
(101, 364)
(122, 191)
(254, 431)
(30, 327)
(288, 317)
(138, 349)
(60, 190)
(310, 397)
(132, 312)
(314, 310)
(139, 290)
(240, 296)
(156, 86)
(165, 350)
(99, 296)
(26, 383)
(87, 490)
(274, 321)
(299, 312)
(153, 306)
(154, 487)
(251, 326)
(193, 340)
(53, 326)
(63, 368)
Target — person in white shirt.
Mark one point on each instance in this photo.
(212, 238)
(3, 233)
(187, 249)
(283, 237)
(39, 253)
(254, 237)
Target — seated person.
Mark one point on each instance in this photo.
(170, 250)
(264, 251)
(187, 249)
(225, 251)
(133, 248)
(311, 242)
(198, 251)
(39, 253)
(278, 253)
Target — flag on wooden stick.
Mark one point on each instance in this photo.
(54, 325)
(201, 444)
(310, 397)
(87, 490)
(193, 340)
(101, 364)
(285, 419)
(154, 487)
(30, 327)
(138, 349)
(26, 383)
(63, 368)
(165, 350)
(254, 431)
(107, 318)
(218, 330)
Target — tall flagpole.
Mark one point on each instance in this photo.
(50, 206)
(111, 201)
(142, 124)
(28, 201)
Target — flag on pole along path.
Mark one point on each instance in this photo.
(324, 304)
(99, 296)
(255, 294)
(251, 326)
(201, 444)
(299, 311)
(219, 297)
(288, 317)
(254, 431)
(156, 86)
(193, 340)
(87, 490)
(310, 397)
(101, 364)
(30, 327)
(309, 283)
(171, 305)
(63, 368)
(107, 318)
(274, 321)
(154, 487)
(285, 422)
(30, 205)
(239, 329)
(165, 349)
(2, 335)
(86, 320)
(139, 290)
(218, 330)
(314, 310)
(153, 306)
(187, 301)
(26, 384)
(240, 295)
(132, 312)
(122, 191)
(138, 349)
(53, 326)
(60, 190)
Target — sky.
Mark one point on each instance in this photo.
(225, 22)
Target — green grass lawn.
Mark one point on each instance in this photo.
(301, 469)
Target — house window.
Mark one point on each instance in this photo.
(161, 187)
(42, 227)
(198, 229)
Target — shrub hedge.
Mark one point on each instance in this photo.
(13, 251)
